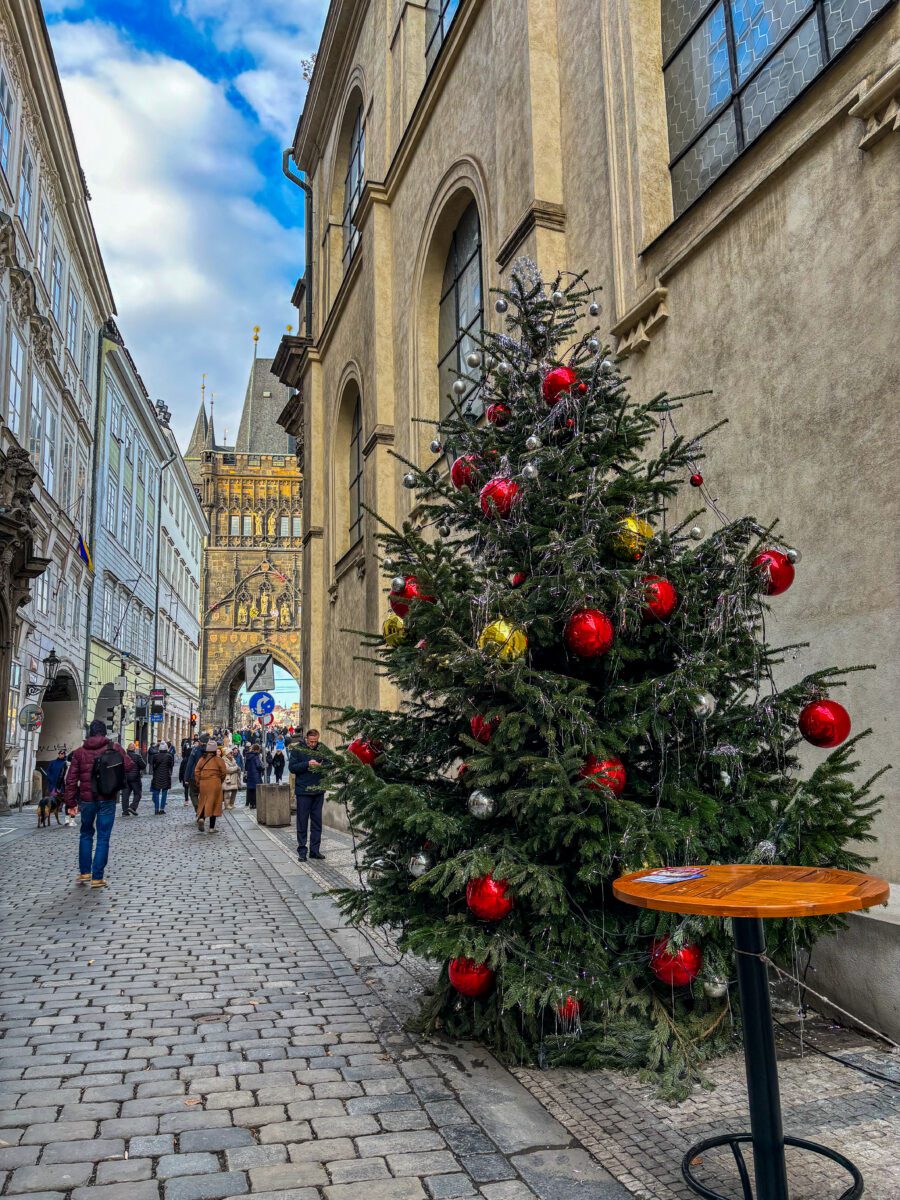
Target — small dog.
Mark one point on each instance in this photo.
(47, 806)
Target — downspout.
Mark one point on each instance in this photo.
(308, 223)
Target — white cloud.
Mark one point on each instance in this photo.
(194, 258)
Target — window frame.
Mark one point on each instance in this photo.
(25, 199)
(477, 320)
(44, 237)
(353, 186)
(355, 486)
(56, 284)
(434, 43)
(7, 110)
(73, 313)
(18, 376)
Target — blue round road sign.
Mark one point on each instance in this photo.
(261, 703)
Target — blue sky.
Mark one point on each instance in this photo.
(181, 109)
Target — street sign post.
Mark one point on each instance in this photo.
(261, 703)
(266, 719)
(259, 673)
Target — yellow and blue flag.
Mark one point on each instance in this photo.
(84, 553)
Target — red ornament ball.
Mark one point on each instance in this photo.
(582, 389)
(660, 598)
(518, 579)
(470, 978)
(399, 601)
(367, 752)
(463, 471)
(482, 730)
(487, 898)
(604, 772)
(677, 969)
(696, 479)
(588, 633)
(498, 414)
(557, 382)
(497, 496)
(776, 571)
(825, 723)
(569, 1010)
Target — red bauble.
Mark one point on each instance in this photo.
(696, 479)
(604, 772)
(569, 1010)
(367, 752)
(776, 570)
(588, 633)
(556, 382)
(463, 471)
(470, 978)
(497, 496)
(581, 389)
(518, 579)
(487, 898)
(660, 598)
(399, 601)
(825, 723)
(498, 414)
(482, 730)
(677, 969)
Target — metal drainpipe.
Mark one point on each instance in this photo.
(308, 222)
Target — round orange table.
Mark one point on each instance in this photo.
(748, 893)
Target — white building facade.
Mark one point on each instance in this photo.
(54, 297)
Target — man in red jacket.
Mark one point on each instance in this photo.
(98, 810)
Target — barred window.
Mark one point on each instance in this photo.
(732, 66)
(354, 181)
(461, 310)
(356, 471)
(439, 16)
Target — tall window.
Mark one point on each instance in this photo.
(76, 612)
(43, 240)
(106, 630)
(112, 502)
(56, 285)
(125, 537)
(439, 16)
(234, 525)
(461, 311)
(354, 182)
(12, 703)
(356, 467)
(67, 480)
(26, 186)
(248, 525)
(80, 492)
(731, 66)
(62, 605)
(16, 383)
(72, 322)
(86, 355)
(36, 422)
(284, 527)
(6, 113)
(48, 457)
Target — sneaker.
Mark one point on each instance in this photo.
(83, 878)
(98, 883)
(316, 854)
(201, 824)
(214, 830)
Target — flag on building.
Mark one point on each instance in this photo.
(84, 553)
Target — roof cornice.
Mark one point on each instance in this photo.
(333, 57)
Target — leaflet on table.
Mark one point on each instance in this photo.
(672, 875)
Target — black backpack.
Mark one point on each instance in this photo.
(108, 774)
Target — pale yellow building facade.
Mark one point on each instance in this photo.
(729, 177)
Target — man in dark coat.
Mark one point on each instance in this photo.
(131, 792)
(305, 763)
(190, 787)
(161, 764)
(96, 810)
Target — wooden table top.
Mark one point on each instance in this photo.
(756, 890)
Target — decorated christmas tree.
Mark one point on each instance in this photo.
(586, 690)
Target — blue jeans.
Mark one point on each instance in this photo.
(103, 814)
(158, 796)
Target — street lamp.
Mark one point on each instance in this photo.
(51, 667)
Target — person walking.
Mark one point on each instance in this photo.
(131, 792)
(253, 773)
(191, 789)
(305, 763)
(209, 776)
(96, 776)
(186, 747)
(268, 766)
(278, 761)
(232, 778)
(55, 774)
(162, 764)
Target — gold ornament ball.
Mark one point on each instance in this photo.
(503, 639)
(633, 535)
(393, 630)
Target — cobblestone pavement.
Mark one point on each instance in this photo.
(205, 1028)
(641, 1139)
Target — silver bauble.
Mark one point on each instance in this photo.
(444, 530)
(504, 367)
(473, 359)
(766, 851)
(696, 533)
(530, 471)
(594, 309)
(420, 863)
(557, 299)
(608, 366)
(533, 443)
(794, 556)
(460, 386)
(435, 446)
(409, 480)
(398, 583)
(387, 564)
(715, 988)
(481, 804)
(501, 305)
(704, 705)
(593, 345)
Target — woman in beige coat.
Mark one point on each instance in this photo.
(232, 779)
(209, 776)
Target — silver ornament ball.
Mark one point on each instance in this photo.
(608, 366)
(593, 345)
(766, 851)
(794, 556)
(501, 305)
(388, 564)
(594, 309)
(420, 863)
(533, 443)
(704, 705)
(444, 530)
(504, 367)
(530, 471)
(715, 988)
(557, 299)
(398, 583)
(696, 533)
(473, 359)
(460, 386)
(481, 804)
(409, 481)
(435, 446)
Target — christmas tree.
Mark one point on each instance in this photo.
(587, 689)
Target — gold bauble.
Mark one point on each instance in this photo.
(393, 630)
(503, 639)
(633, 535)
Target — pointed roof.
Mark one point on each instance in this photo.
(266, 396)
(197, 444)
(210, 431)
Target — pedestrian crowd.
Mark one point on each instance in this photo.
(101, 775)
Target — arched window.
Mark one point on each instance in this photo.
(439, 16)
(355, 509)
(354, 181)
(732, 66)
(461, 308)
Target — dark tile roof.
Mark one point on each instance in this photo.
(258, 432)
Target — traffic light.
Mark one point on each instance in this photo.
(193, 720)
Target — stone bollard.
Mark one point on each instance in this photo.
(273, 804)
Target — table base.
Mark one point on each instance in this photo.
(734, 1140)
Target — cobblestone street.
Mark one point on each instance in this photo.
(208, 1028)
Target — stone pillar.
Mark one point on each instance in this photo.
(273, 804)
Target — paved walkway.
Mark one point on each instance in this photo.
(205, 1028)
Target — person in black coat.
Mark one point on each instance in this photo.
(253, 773)
(162, 764)
(305, 764)
(131, 792)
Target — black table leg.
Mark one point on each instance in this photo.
(759, 1055)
